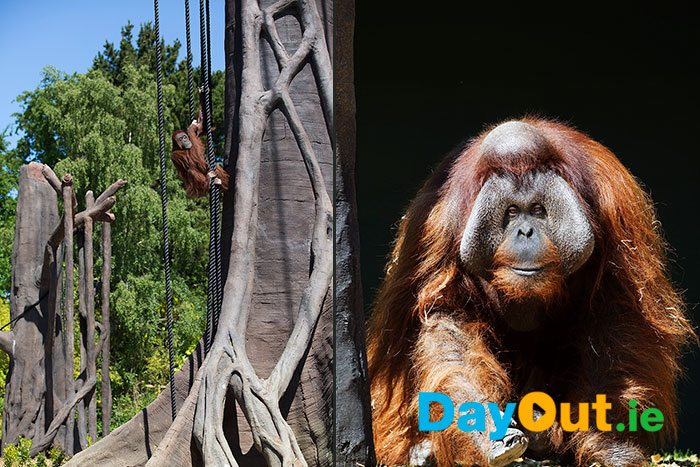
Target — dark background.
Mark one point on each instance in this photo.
(431, 74)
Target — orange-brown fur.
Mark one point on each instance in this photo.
(191, 165)
(547, 287)
(617, 328)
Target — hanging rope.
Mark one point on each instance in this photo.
(219, 272)
(190, 85)
(214, 291)
(190, 81)
(219, 278)
(166, 247)
(208, 44)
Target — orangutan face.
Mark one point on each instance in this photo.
(183, 141)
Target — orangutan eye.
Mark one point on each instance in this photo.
(538, 210)
(512, 211)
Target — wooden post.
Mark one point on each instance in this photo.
(89, 338)
(82, 311)
(52, 261)
(62, 423)
(106, 277)
(68, 213)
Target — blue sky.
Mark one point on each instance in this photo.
(67, 34)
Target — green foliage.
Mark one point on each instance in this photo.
(9, 171)
(139, 337)
(113, 61)
(101, 126)
(116, 61)
(56, 456)
(18, 455)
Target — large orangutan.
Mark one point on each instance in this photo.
(531, 260)
(188, 159)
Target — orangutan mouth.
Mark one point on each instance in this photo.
(527, 271)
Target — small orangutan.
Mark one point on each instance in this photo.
(188, 159)
(531, 260)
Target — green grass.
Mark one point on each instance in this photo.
(675, 459)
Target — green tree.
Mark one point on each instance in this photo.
(9, 172)
(114, 62)
(101, 126)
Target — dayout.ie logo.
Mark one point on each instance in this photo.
(473, 415)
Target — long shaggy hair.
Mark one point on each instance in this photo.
(632, 314)
(191, 166)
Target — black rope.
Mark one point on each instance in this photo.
(214, 292)
(190, 82)
(166, 247)
(208, 44)
(219, 277)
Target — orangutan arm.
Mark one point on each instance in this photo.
(453, 358)
(197, 125)
(624, 359)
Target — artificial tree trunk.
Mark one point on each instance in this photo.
(281, 256)
(34, 271)
(264, 394)
(41, 392)
(353, 427)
